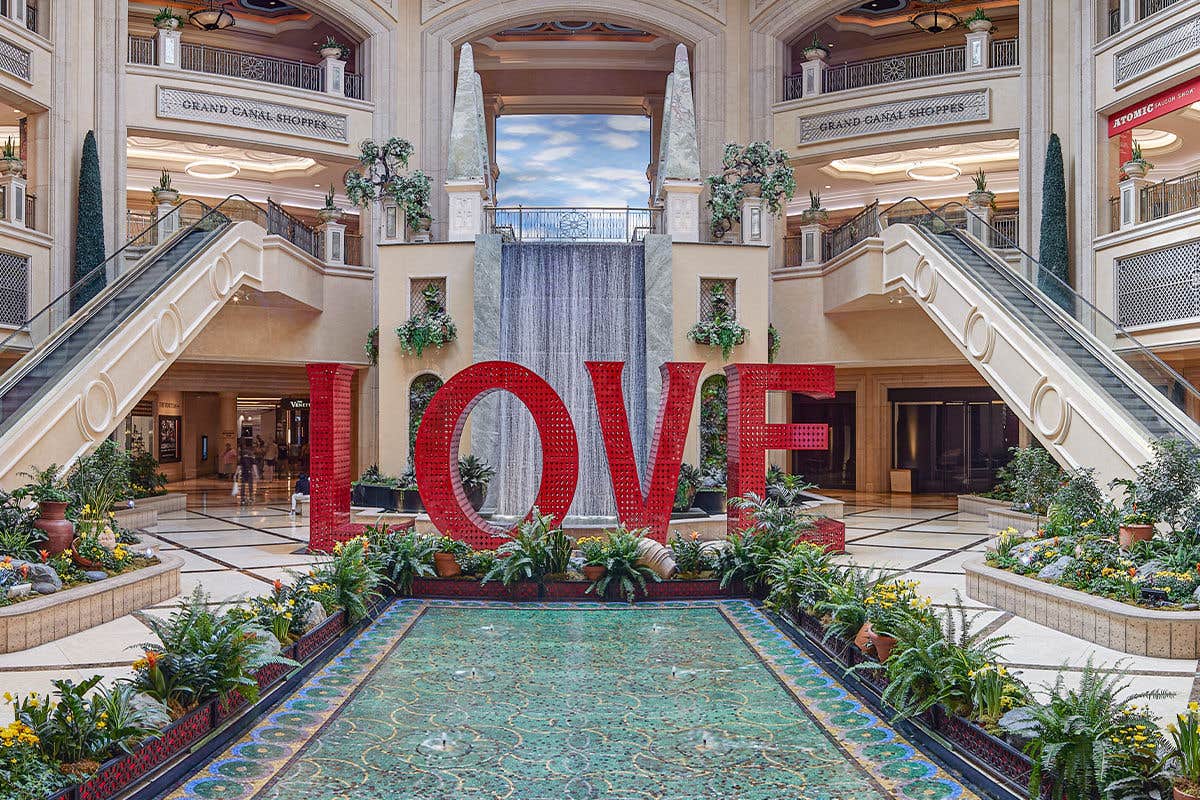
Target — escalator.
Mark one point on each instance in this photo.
(52, 358)
(1121, 395)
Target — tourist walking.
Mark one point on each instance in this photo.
(247, 465)
(272, 458)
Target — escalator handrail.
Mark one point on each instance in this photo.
(1178, 420)
(32, 357)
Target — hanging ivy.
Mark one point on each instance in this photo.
(371, 348)
(723, 329)
(774, 342)
(432, 327)
(420, 392)
(713, 421)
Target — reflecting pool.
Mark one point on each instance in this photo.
(478, 701)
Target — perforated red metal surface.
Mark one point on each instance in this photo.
(827, 533)
(637, 507)
(329, 452)
(751, 436)
(438, 447)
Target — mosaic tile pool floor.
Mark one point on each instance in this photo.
(479, 701)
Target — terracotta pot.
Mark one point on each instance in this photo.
(446, 565)
(52, 521)
(84, 563)
(863, 637)
(883, 645)
(1128, 534)
(1180, 794)
(594, 572)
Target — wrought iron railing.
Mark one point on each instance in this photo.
(137, 223)
(250, 66)
(793, 251)
(1168, 197)
(862, 225)
(1008, 225)
(540, 223)
(282, 223)
(1146, 8)
(31, 17)
(354, 249)
(900, 67)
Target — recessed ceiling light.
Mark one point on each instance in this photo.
(933, 171)
(827, 186)
(1153, 139)
(212, 168)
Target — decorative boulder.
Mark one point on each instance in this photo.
(45, 588)
(95, 575)
(657, 557)
(44, 574)
(17, 591)
(314, 616)
(1055, 570)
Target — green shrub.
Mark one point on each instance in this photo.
(1030, 479)
(401, 558)
(621, 565)
(534, 551)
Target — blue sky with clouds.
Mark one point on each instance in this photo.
(573, 160)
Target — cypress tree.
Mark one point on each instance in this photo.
(89, 226)
(1053, 250)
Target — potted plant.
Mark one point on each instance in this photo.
(380, 175)
(685, 489)
(980, 196)
(332, 48)
(410, 496)
(163, 191)
(978, 22)
(623, 565)
(329, 212)
(593, 550)
(816, 50)
(725, 206)
(167, 20)
(1136, 526)
(10, 162)
(1137, 166)
(889, 606)
(722, 329)
(431, 327)
(710, 495)
(475, 474)
(814, 214)
(449, 551)
(1185, 760)
(376, 490)
(50, 493)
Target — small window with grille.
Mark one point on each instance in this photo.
(14, 289)
(717, 297)
(424, 290)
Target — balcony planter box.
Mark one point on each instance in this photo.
(376, 496)
(118, 774)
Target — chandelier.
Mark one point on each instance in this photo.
(931, 20)
(212, 17)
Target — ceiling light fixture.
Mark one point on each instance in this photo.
(212, 168)
(933, 21)
(212, 17)
(933, 171)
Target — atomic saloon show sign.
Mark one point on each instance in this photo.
(1154, 107)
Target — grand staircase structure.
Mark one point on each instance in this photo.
(1089, 391)
(87, 360)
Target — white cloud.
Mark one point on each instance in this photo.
(509, 144)
(562, 137)
(551, 154)
(618, 141)
(523, 129)
(629, 123)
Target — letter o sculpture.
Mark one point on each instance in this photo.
(438, 442)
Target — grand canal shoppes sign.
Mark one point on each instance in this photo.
(640, 503)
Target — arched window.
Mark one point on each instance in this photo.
(713, 418)
(420, 392)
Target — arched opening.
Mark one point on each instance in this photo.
(420, 392)
(713, 422)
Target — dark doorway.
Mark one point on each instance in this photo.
(834, 468)
(953, 440)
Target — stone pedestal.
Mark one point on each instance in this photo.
(1131, 201)
(681, 210)
(466, 210)
(333, 241)
(334, 72)
(757, 225)
(811, 251)
(813, 73)
(168, 220)
(167, 47)
(979, 219)
(14, 200)
(979, 50)
(391, 222)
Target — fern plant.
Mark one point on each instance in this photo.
(535, 550)
(621, 564)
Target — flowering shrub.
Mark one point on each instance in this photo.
(432, 327)
(891, 604)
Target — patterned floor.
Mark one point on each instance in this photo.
(672, 701)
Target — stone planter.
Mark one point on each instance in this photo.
(815, 54)
(165, 196)
(975, 504)
(1109, 623)
(752, 189)
(163, 503)
(1000, 519)
(813, 216)
(167, 24)
(331, 52)
(710, 501)
(329, 214)
(980, 199)
(12, 166)
(1135, 169)
(54, 616)
(979, 25)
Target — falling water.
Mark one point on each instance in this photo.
(561, 304)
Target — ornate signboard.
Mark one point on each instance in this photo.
(900, 115)
(244, 112)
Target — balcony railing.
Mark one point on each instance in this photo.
(31, 12)
(138, 223)
(1145, 9)
(862, 225)
(282, 223)
(249, 66)
(1007, 225)
(1169, 197)
(533, 224)
(30, 209)
(901, 67)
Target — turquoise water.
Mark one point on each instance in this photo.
(654, 702)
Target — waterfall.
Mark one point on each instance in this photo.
(561, 304)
